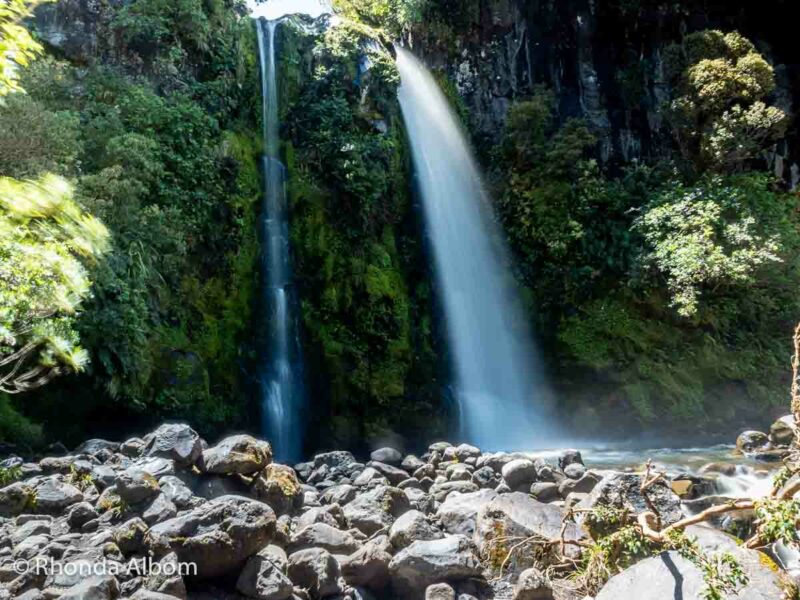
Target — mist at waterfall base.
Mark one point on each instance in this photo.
(280, 370)
(503, 399)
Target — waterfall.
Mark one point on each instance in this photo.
(502, 398)
(280, 372)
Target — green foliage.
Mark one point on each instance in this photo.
(716, 233)
(719, 115)
(722, 573)
(17, 47)
(9, 475)
(349, 198)
(161, 161)
(778, 521)
(45, 241)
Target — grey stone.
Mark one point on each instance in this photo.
(316, 571)
(388, 456)
(369, 565)
(411, 527)
(532, 585)
(135, 485)
(264, 576)
(321, 535)
(220, 535)
(174, 441)
(237, 454)
(458, 512)
(440, 591)
(519, 474)
(425, 563)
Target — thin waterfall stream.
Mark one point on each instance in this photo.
(502, 397)
(280, 371)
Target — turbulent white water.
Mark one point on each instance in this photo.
(280, 368)
(501, 394)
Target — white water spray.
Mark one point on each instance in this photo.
(280, 370)
(502, 397)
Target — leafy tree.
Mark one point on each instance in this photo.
(720, 232)
(17, 47)
(719, 114)
(45, 240)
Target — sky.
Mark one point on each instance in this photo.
(273, 9)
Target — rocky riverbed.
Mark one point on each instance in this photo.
(168, 516)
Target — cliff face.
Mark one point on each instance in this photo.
(604, 61)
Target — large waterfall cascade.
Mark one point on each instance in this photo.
(280, 371)
(502, 397)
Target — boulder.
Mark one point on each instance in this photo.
(426, 563)
(440, 591)
(95, 446)
(53, 495)
(278, 486)
(458, 513)
(331, 515)
(135, 486)
(750, 441)
(339, 494)
(532, 585)
(411, 463)
(316, 571)
(15, 499)
(369, 565)
(411, 527)
(160, 509)
(518, 516)
(574, 470)
(620, 489)
(104, 587)
(388, 456)
(369, 476)
(177, 491)
(394, 474)
(322, 535)
(80, 514)
(440, 491)
(220, 535)
(376, 509)
(519, 474)
(264, 576)
(237, 455)
(569, 457)
(174, 441)
(545, 491)
(583, 485)
(782, 431)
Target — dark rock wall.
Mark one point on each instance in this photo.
(603, 58)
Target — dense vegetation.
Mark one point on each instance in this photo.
(155, 136)
(662, 289)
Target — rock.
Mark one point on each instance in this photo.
(322, 535)
(727, 469)
(458, 472)
(95, 446)
(669, 575)
(15, 499)
(278, 486)
(770, 454)
(458, 512)
(339, 494)
(144, 594)
(264, 576)
(519, 474)
(164, 577)
(782, 432)
(368, 476)
(388, 456)
(569, 457)
(331, 515)
(177, 491)
(237, 454)
(619, 489)
(517, 515)
(411, 527)
(441, 491)
(583, 485)
(316, 571)
(220, 535)
(132, 448)
(424, 471)
(426, 563)
(130, 536)
(411, 463)
(80, 514)
(369, 565)
(160, 509)
(134, 486)
(53, 495)
(157, 466)
(440, 591)
(545, 491)
(484, 477)
(574, 470)
(103, 587)
(175, 441)
(393, 474)
(465, 452)
(532, 585)
(338, 459)
(750, 441)
(690, 487)
(376, 509)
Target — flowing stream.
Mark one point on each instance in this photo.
(280, 372)
(502, 397)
